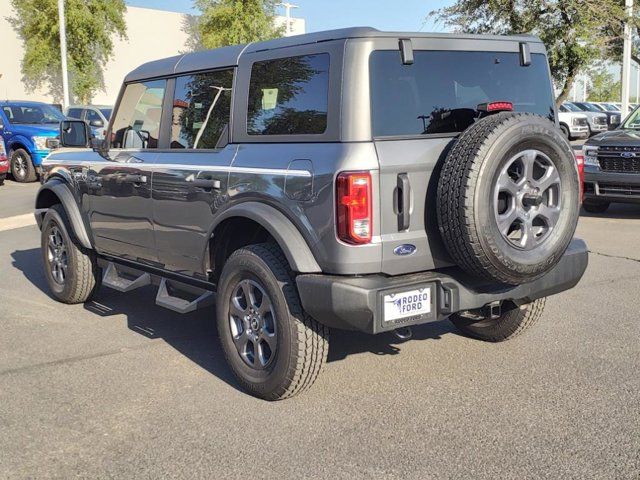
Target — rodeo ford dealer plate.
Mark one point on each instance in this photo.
(404, 305)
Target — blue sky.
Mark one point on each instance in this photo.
(408, 15)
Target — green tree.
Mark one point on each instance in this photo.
(603, 87)
(232, 22)
(577, 33)
(90, 26)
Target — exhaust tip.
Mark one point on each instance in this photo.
(404, 333)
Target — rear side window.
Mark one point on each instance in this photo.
(201, 110)
(441, 91)
(75, 113)
(137, 121)
(289, 96)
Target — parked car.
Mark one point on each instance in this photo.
(612, 166)
(97, 116)
(29, 130)
(574, 125)
(598, 121)
(613, 118)
(4, 162)
(606, 107)
(327, 180)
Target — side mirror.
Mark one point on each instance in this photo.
(74, 133)
(96, 123)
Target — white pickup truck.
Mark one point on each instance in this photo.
(574, 125)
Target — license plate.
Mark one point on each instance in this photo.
(407, 304)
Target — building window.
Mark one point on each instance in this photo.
(289, 96)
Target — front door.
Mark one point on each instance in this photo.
(190, 179)
(119, 186)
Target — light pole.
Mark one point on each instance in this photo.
(63, 54)
(287, 13)
(626, 60)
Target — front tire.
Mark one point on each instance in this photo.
(71, 270)
(273, 347)
(509, 325)
(22, 168)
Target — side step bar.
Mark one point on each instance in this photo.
(172, 294)
(178, 304)
(112, 278)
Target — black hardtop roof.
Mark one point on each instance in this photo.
(229, 56)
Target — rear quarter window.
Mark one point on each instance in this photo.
(440, 92)
(289, 96)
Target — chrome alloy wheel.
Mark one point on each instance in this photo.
(527, 199)
(253, 324)
(20, 166)
(57, 255)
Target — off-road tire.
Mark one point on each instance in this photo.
(596, 206)
(29, 174)
(465, 197)
(83, 274)
(509, 325)
(302, 342)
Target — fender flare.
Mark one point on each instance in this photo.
(288, 237)
(63, 192)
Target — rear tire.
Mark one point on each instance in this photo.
(71, 270)
(509, 325)
(22, 168)
(566, 132)
(3, 177)
(596, 206)
(275, 350)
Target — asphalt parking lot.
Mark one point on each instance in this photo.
(120, 388)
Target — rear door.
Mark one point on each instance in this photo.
(191, 172)
(119, 186)
(418, 109)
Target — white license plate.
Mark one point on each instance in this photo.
(407, 304)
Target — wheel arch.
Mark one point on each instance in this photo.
(268, 220)
(57, 191)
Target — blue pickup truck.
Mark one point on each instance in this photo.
(29, 130)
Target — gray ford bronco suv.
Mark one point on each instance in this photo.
(351, 179)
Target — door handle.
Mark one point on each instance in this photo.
(134, 178)
(403, 202)
(204, 183)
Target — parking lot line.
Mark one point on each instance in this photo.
(17, 221)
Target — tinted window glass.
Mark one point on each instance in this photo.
(32, 114)
(201, 110)
(92, 115)
(137, 121)
(75, 113)
(289, 96)
(441, 91)
(106, 112)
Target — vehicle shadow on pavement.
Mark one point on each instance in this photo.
(616, 211)
(194, 334)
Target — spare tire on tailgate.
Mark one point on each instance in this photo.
(508, 198)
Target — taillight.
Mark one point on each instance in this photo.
(354, 213)
(580, 161)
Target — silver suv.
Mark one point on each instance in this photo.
(351, 179)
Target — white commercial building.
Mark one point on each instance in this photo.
(151, 34)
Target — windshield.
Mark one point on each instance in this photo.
(612, 107)
(437, 94)
(106, 112)
(31, 114)
(633, 121)
(587, 107)
(571, 107)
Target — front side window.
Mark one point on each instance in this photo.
(93, 116)
(201, 110)
(442, 90)
(137, 121)
(75, 113)
(289, 96)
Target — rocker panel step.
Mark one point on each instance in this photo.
(180, 305)
(113, 279)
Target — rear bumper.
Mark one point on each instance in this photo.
(611, 187)
(356, 303)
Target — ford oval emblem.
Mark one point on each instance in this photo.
(404, 250)
(628, 155)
